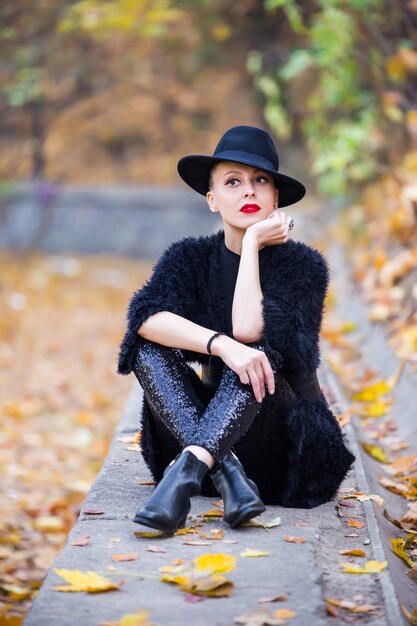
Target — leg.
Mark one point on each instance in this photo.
(170, 388)
(176, 395)
(229, 414)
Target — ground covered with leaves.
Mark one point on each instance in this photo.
(61, 321)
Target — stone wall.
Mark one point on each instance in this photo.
(123, 220)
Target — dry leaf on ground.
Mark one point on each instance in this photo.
(84, 581)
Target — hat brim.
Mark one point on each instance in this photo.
(194, 170)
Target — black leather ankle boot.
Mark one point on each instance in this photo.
(169, 504)
(240, 494)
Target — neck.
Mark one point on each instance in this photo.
(233, 238)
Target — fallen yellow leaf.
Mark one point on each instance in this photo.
(371, 496)
(378, 408)
(203, 575)
(355, 524)
(132, 556)
(186, 531)
(212, 513)
(84, 581)
(284, 613)
(397, 546)
(404, 464)
(249, 552)
(351, 606)
(131, 619)
(355, 552)
(16, 592)
(211, 586)
(371, 567)
(376, 452)
(393, 485)
(215, 563)
(264, 524)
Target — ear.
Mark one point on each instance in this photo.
(276, 196)
(210, 202)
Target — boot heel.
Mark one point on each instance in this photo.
(182, 523)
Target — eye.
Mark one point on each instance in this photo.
(230, 180)
(264, 178)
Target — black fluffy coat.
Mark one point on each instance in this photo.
(306, 458)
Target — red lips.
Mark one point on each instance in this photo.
(250, 208)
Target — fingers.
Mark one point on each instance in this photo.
(258, 373)
(284, 222)
(269, 378)
(257, 381)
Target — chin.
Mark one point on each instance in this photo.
(252, 218)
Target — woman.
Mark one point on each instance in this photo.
(246, 303)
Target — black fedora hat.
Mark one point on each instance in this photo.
(242, 144)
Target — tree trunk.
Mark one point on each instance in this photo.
(36, 112)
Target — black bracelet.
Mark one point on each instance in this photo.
(211, 339)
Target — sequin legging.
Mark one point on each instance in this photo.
(169, 383)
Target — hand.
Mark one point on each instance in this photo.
(271, 231)
(251, 365)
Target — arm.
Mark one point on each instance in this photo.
(251, 365)
(247, 312)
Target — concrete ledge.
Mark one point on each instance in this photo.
(308, 572)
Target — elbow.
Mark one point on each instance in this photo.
(142, 331)
(145, 330)
(247, 335)
(150, 325)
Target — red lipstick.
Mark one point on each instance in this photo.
(250, 208)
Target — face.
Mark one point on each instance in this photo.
(236, 185)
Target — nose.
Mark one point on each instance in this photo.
(250, 190)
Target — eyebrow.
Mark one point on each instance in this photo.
(240, 171)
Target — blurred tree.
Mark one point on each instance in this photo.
(347, 81)
(105, 82)
(89, 81)
(42, 71)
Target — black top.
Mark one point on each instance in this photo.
(229, 268)
(308, 387)
(229, 264)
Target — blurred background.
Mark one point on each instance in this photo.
(98, 101)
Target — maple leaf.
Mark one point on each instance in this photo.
(215, 563)
(203, 576)
(84, 581)
(371, 567)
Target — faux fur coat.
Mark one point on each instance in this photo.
(306, 458)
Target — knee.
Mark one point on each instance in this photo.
(152, 356)
(147, 353)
